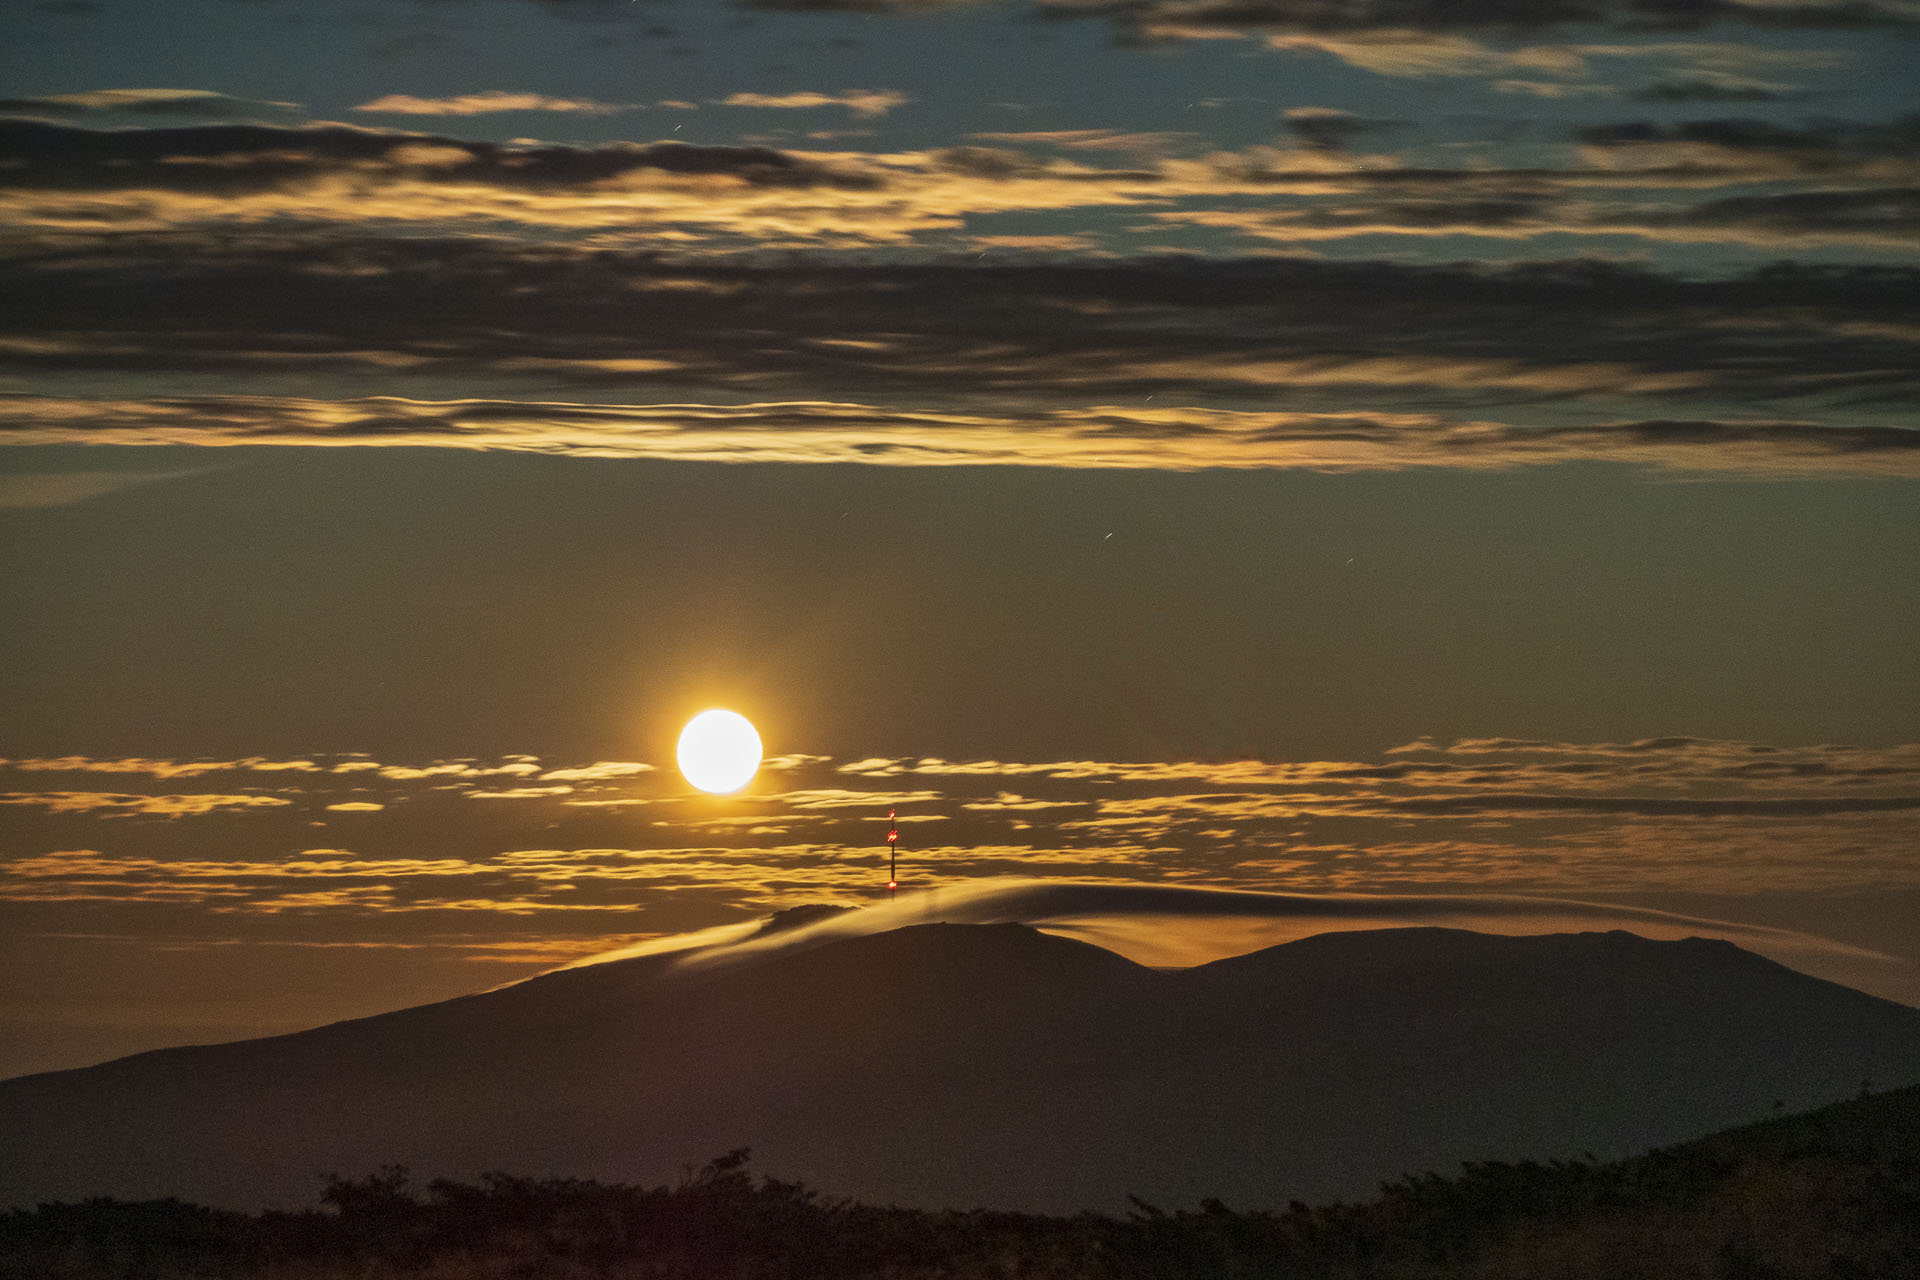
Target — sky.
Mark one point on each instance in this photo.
(1392, 447)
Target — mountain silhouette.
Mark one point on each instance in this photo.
(953, 1065)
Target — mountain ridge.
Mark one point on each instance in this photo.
(958, 1064)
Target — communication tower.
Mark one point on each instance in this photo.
(893, 850)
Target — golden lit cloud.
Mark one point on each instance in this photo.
(792, 760)
(646, 195)
(458, 769)
(1673, 814)
(136, 104)
(1423, 53)
(112, 804)
(158, 768)
(1099, 436)
(868, 104)
(839, 798)
(491, 101)
(598, 772)
(1410, 52)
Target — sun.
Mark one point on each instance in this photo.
(719, 751)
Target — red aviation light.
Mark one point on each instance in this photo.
(893, 837)
(893, 884)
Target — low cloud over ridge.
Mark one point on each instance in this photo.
(1178, 927)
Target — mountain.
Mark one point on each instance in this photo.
(962, 1065)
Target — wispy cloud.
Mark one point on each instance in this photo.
(1161, 142)
(1417, 53)
(1404, 21)
(489, 102)
(1553, 69)
(458, 769)
(67, 182)
(157, 768)
(188, 104)
(1715, 88)
(1101, 436)
(1332, 129)
(115, 804)
(33, 490)
(1188, 19)
(868, 104)
(597, 772)
(253, 160)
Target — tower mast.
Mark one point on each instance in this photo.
(893, 847)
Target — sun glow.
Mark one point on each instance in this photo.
(719, 751)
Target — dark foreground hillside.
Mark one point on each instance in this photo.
(1833, 1193)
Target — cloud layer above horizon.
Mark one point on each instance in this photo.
(456, 840)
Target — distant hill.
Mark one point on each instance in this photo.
(963, 1065)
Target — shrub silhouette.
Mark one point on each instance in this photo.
(1832, 1194)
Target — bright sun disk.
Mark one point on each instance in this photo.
(719, 751)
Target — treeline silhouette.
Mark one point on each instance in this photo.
(1834, 1193)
